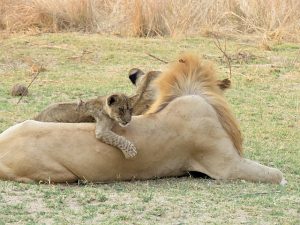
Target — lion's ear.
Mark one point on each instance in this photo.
(111, 100)
(134, 74)
(224, 84)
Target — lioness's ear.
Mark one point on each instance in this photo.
(111, 100)
(134, 73)
(224, 84)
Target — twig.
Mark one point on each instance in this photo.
(36, 75)
(258, 193)
(83, 53)
(154, 57)
(218, 45)
(55, 47)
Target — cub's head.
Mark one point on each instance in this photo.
(119, 108)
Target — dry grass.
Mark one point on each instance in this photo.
(268, 19)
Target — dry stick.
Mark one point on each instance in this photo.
(258, 193)
(55, 47)
(37, 73)
(154, 57)
(218, 45)
(83, 53)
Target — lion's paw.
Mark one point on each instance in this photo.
(130, 151)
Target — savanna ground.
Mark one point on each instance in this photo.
(265, 98)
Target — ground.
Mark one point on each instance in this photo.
(265, 98)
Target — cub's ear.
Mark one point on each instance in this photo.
(224, 84)
(111, 100)
(134, 73)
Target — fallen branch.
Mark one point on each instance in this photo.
(154, 57)
(55, 47)
(258, 193)
(218, 45)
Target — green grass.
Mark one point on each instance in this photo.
(265, 98)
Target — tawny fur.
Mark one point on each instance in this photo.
(109, 111)
(193, 76)
(65, 152)
(65, 112)
(145, 92)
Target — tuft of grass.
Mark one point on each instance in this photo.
(265, 98)
(269, 19)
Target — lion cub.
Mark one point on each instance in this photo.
(107, 111)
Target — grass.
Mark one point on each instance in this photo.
(265, 98)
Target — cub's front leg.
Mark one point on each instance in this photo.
(104, 133)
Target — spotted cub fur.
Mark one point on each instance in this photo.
(107, 111)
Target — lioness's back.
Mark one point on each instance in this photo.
(63, 112)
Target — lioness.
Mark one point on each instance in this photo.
(190, 127)
(107, 111)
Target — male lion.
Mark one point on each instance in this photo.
(189, 128)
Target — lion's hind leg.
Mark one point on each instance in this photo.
(223, 162)
(233, 166)
(253, 171)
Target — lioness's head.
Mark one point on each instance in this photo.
(119, 108)
(138, 78)
(146, 92)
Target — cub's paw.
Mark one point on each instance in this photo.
(130, 151)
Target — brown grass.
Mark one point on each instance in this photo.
(268, 19)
